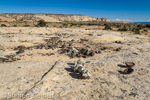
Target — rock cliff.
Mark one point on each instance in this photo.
(49, 18)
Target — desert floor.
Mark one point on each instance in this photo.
(40, 73)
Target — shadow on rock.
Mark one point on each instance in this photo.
(121, 72)
(71, 64)
(122, 66)
(69, 69)
(74, 75)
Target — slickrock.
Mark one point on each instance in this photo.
(41, 77)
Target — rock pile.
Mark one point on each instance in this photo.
(66, 47)
(79, 52)
(9, 58)
(129, 69)
(83, 73)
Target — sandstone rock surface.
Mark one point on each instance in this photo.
(38, 76)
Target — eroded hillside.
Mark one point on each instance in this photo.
(49, 18)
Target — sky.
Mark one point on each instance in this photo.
(114, 10)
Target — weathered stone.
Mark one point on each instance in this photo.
(20, 51)
(128, 71)
(3, 58)
(75, 50)
(17, 57)
(73, 54)
(85, 74)
(118, 49)
(81, 61)
(78, 68)
(92, 53)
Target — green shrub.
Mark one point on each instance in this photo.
(14, 25)
(36, 25)
(137, 32)
(65, 24)
(123, 29)
(145, 30)
(118, 25)
(148, 25)
(135, 29)
(107, 27)
(139, 25)
(3, 25)
(26, 26)
(42, 23)
(71, 25)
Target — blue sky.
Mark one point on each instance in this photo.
(115, 10)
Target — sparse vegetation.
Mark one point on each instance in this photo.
(147, 25)
(14, 25)
(132, 27)
(26, 26)
(107, 27)
(123, 29)
(36, 25)
(145, 30)
(136, 31)
(3, 25)
(42, 23)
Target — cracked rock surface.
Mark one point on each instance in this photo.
(36, 74)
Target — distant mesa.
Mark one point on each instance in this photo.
(50, 18)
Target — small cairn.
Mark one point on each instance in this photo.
(129, 66)
(83, 73)
(79, 66)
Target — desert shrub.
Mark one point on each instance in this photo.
(107, 27)
(36, 25)
(135, 29)
(42, 23)
(129, 25)
(147, 25)
(14, 25)
(118, 25)
(3, 25)
(89, 24)
(130, 29)
(123, 29)
(137, 32)
(71, 25)
(145, 30)
(26, 26)
(21, 19)
(65, 24)
(139, 25)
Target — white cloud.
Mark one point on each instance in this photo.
(124, 20)
(148, 20)
(116, 19)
